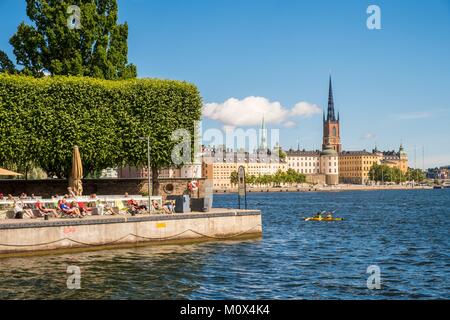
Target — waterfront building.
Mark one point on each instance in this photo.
(442, 173)
(354, 166)
(302, 161)
(219, 163)
(318, 166)
(329, 164)
(395, 159)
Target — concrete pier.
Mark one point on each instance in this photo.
(18, 237)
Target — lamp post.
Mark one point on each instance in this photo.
(148, 170)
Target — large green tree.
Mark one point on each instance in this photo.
(6, 64)
(43, 118)
(85, 40)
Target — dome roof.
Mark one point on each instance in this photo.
(329, 151)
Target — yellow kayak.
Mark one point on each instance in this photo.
(323, 219)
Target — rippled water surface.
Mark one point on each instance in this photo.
(405, 233)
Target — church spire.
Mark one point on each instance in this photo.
(330, 114)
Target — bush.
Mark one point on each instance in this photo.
(42, 119)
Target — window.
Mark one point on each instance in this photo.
(334, 131)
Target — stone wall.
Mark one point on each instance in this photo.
(47, 188)
(21, 236)
(315, 178)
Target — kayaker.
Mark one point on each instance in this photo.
(318, 215)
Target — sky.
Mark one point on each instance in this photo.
(272, 58)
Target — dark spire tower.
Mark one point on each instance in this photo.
(331, 127)
(330, 113)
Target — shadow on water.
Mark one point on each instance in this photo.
(403, 232)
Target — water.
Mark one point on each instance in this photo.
(405, 233)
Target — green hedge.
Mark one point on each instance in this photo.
(42, 119)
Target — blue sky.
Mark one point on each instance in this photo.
(390, 85)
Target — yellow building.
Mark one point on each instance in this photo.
(396, 159)
(218, 166)
(354, 166)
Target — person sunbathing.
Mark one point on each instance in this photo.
(21, 211)
(169, 206)
(46, 211)
(82, 207)
(135, 206)
(155, 205)
(66, 209)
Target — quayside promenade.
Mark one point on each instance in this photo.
(18, 237)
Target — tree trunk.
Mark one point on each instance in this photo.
(155, 181)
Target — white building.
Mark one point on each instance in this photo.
(306, 162)
(314, 164)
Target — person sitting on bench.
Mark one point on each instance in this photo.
(64, 207)
(169, 206)
(46, 211)
(155, 205)
(134, 206)
(21, 211)
(82, 207)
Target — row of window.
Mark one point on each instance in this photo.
(306, 164)
(302, 158)
(367, 169)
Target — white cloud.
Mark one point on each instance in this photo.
(305, 109)
(411, 115)
(290, 124)
(250, 110)
(368, 136)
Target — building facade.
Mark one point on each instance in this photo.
(329, 160)
(395, 159)
(306, 162)
(354, 166)
(219, 164)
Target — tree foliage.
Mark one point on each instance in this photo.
(43, 118)
(384, 173)
(6, 64)
(280, 177)
(98, 48)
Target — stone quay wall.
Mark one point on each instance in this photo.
(19, 237)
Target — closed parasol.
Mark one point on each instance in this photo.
(77, 172)
(4, 172)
